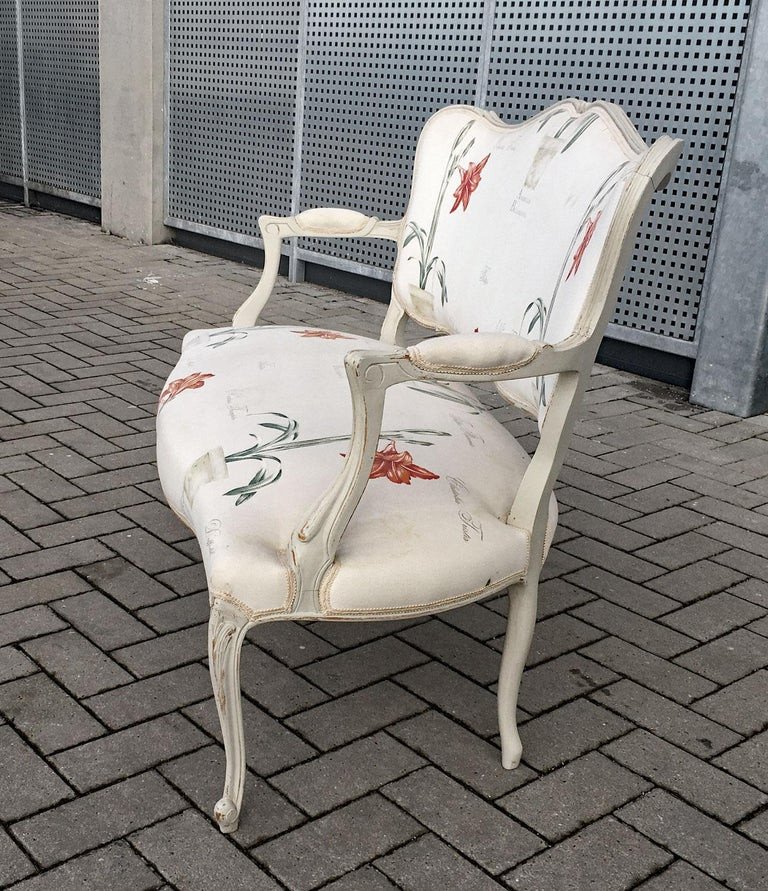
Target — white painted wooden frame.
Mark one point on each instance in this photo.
(454, 357)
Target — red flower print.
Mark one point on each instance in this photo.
(590, 231)
(191, 382)
(398, 466)
(325, 335)
(470, 180)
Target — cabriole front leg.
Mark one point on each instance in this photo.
(520, 624)
(226, 630)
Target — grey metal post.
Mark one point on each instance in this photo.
(731, 372)
(295, 264)
(486, 46)
(22, 101)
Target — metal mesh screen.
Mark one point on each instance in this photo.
(61, 81)
(10, 127)
(231, 109)
(673, 67)
(375, 71)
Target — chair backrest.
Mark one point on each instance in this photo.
(506, 223)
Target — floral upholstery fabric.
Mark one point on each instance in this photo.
(505, 225)
(253, 426)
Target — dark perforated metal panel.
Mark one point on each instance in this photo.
(10, 127)
(61, 79)
(375, 71)
(674, 68)
(231, 110)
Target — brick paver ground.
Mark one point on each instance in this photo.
(372, 747)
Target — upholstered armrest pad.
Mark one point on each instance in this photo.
(336, 219)
(474, 353)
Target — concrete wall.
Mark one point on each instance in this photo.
(132, 69)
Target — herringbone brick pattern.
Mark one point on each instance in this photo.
(372, 747)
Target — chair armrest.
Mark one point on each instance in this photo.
(474, 353)
(322, 222)
(492, 357)
(496, 357)
(336, 222)
(371, 372)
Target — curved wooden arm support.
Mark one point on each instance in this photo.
(325, 222)
(315, 541)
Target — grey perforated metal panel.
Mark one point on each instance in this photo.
(375, 71)
(10, 127)
(278, 106)
(673, 67)
(231, 108)
(61, 80)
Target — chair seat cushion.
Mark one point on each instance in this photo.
(253, 425)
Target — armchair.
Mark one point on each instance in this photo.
(334, 477)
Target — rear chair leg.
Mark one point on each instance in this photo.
(226, 630)
(520, 624)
